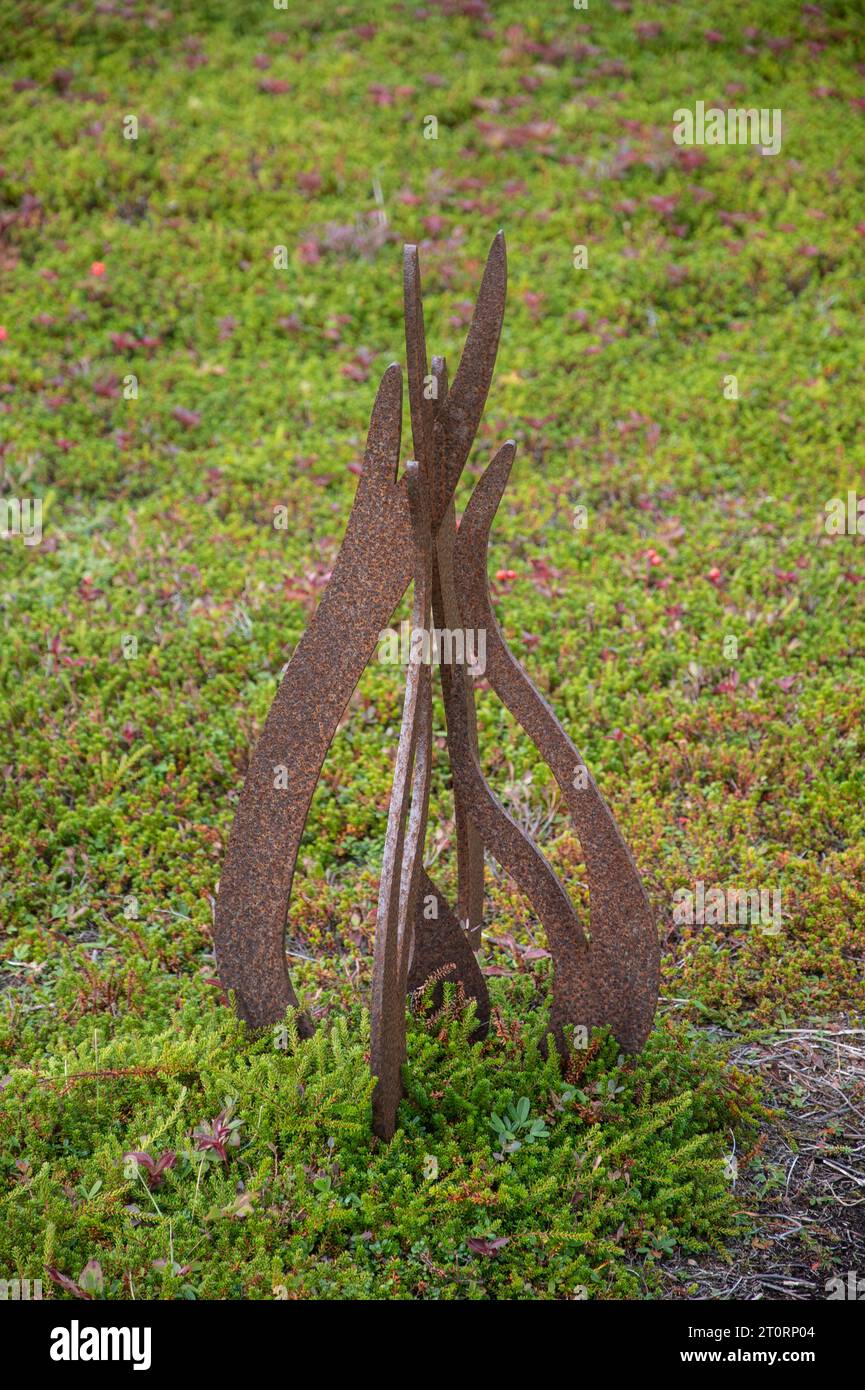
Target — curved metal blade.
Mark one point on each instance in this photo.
(461, 413)
(624, 955)
(370, 576)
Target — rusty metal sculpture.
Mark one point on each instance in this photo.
(399, 530)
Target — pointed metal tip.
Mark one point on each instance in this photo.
(503, 459)
(381, 457)
(410, 270)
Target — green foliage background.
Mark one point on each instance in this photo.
(261, 128)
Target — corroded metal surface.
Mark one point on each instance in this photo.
(431, 409)
(456, 425)
(616, 982)
(399, 528)
(441, 946)
(516, 852)
(470, 848)
(403, 847)
(370, 576)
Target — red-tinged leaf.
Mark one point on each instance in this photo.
(382, 96)
(542, 574)
(309, 252)
(141, 1157)
(188, 418)
(154, 1167)
(66, 1283)
(207, 1141)
(354, 371)
(87, 591)
(481, 1246)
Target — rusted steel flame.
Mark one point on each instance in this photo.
(399, 530)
